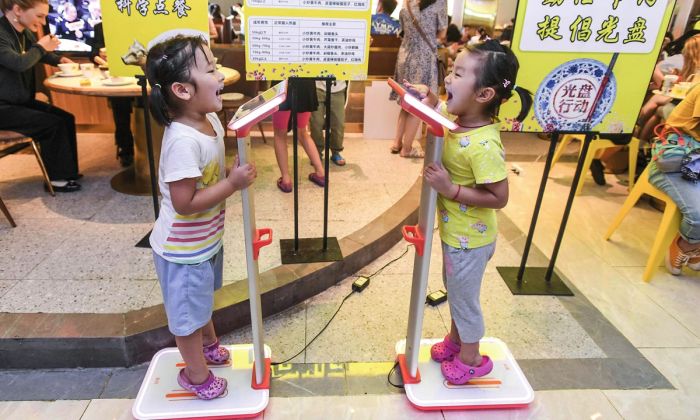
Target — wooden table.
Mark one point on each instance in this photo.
(134, 180)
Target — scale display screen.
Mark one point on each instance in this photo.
(259, 107)
(414, 105)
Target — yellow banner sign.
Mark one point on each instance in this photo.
(307, 38)
(130, 25)
(565, 48)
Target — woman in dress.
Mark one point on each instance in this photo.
(417, 61)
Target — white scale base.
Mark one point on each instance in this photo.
(160, 396)
(504, 387)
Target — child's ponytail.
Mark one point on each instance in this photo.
(525, 102)
(169, 62)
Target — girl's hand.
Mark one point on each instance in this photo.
(438, 178)
(242, 177)
(49, 42)
(419, 91)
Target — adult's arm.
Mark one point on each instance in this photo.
(12, 60)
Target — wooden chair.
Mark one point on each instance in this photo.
(7, 214)
(16, 142)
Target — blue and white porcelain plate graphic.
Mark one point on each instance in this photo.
(564, 98)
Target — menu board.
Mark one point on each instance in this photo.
(587, 62)
(309, 38)
(131, 25)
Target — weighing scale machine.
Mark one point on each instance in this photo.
(160, 396)
(424, 384)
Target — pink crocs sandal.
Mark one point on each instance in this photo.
(208, 390)
(458, 373)
(445, 350)
(216, 354)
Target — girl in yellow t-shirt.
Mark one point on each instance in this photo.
(472, 184)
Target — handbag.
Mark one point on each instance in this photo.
(690, 166)
(670, 148)
(441, 64)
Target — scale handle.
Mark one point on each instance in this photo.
(413, 236)
(263, 237)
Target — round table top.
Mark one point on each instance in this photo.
(98, 87)
(669, 94)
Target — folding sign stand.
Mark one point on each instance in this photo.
(306, 250)
(248, 393)
(425, 386)
(529, 281)
(144, 242)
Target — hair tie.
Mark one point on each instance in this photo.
(158, 86)
(506, 82)
(164, 57)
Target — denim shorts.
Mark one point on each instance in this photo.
(188, 291)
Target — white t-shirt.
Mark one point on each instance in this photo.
(188, 153)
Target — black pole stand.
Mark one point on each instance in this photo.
(528, 281)
(306, 250)
(144, 243)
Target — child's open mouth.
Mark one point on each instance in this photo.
(449, 95)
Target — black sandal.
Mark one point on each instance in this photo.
(71, 186)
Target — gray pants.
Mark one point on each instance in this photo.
(462, 272)
(318, 122)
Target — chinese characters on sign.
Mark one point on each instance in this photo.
(629, 26)
(299, 40)
(179, 7)
(316, 4)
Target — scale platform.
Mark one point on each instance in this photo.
(505, 387)
(160, 397)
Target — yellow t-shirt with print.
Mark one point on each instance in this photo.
(471, 158)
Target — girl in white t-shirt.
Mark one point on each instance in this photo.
(194, 183)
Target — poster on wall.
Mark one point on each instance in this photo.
(307, 38)
(130, 25)
(567, 48)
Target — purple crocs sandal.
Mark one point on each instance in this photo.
(458, 373)
(208, 390)
(216, 354)
(445, 350)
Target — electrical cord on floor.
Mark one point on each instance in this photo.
(391, 372)
(340, 306)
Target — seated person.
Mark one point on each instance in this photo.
(382, 22)
(68, 26)
(685, 248)
(648, 116)
(52, 127)
(121, 107)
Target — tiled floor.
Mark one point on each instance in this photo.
(613, 316)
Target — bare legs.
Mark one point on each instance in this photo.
(406, 128)
(282, 156)
(191, 350)
(468, 352)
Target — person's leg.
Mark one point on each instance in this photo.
(190, 348)
(121, 111)
(400, 130)
(686, 195)
(52, 128)
(412, 124)
(318, 122)
(308, 144)
(337, 120)
(279, 123)
(647, 131)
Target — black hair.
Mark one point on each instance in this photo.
(453, 33)
(422, 4)
(170, 62)
(215, 11)
(389, 6)
(499, 70)
(676, 47)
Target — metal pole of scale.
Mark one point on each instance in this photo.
(421, 236)
(253, 243)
